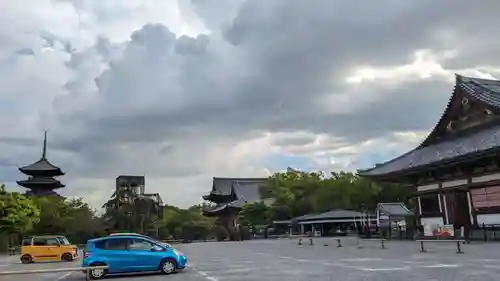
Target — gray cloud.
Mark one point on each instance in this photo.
(181, 109)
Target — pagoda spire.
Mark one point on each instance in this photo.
(44, 152)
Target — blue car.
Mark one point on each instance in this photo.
(131, 253)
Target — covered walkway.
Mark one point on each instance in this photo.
(331, 223)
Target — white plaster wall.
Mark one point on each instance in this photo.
(486, 178)
(488, 219)
(432, 221)
(428, 187)
(454, 183)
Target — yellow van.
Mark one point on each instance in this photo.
(47, 248)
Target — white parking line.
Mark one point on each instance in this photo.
(440, 265)
(362, 259)
(401, 268)
(63, 276)
(204, 275)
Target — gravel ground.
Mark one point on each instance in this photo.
(269, 260)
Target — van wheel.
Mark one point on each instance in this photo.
(168, 266)
(67, 257)
(26, 259)
(97, 273)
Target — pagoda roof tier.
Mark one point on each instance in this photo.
(41, 183)
(225, 190)
(468, 128)
(42, 167)
(42, 192)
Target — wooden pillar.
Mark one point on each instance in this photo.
(446, 220)
(419, 205)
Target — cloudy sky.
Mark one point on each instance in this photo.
(184, 90)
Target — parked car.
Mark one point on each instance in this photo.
(131, 253)
(47, 248)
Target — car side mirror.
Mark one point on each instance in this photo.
(153, 249)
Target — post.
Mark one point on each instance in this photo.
(484, 232)
(459, 249)
(382, 246)
(339, 244)
(422, 249)
(87, 274)
(310, 241)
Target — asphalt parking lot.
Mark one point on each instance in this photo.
(268, 260)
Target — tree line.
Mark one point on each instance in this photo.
(292, 193)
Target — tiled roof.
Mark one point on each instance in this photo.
(41, 181)
(398, 209)
(244, 190)
(333, 214)
(40, 165)
(220, 207)
(474, 140)
(236, 188)
(488, 138)
(485, 90)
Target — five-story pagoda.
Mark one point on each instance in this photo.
(41, 181)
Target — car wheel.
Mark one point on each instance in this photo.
(26, 259)
(97, 273)
(67, 257)
(168, 266)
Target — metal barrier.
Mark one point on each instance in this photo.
(381, 240)
(459, 248)
(339, 241)
(310, 241)
(86, 270)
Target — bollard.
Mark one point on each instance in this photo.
(382, 246)
(459, 248)
(422, 249)
(300, 241)
(339, 244)
(310, 241)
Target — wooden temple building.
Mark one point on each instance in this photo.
(456, 169)
(41, 176)
(228, 196)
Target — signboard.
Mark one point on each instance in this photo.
(439, 230)
(445, 231)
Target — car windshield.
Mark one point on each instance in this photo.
(63, 240)
(164, 244)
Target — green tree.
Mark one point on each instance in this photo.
(292, 192)
(297, 193)
(70, 217)
(254, 214)
(17, 212)
(118, 210)
(185, 223)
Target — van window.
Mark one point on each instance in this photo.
(112, 244)
(26, 242)
(43, 241)
(39, 242)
